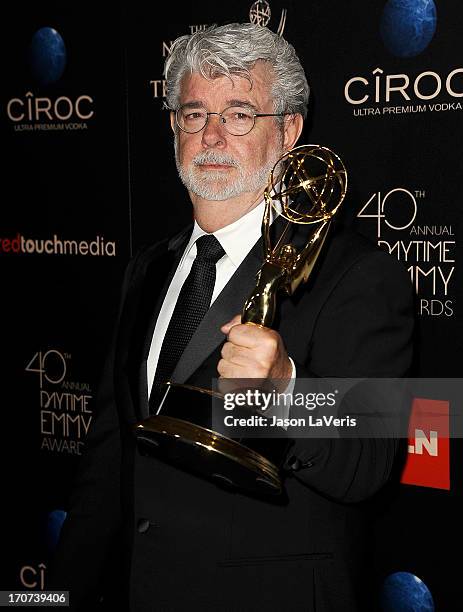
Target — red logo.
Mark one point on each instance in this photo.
(428, 463)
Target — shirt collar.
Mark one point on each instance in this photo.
(236, 239)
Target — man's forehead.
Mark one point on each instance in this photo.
(235, 88)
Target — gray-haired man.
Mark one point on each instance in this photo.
(238, 97)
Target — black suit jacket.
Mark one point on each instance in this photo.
(182, 542)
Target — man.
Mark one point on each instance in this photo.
(238, 96)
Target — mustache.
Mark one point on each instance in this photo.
(213, 157)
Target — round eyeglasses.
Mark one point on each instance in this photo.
(236, 120)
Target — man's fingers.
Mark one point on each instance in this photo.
(252, 336)
(237, 355)
(228, 369)
(225, 329)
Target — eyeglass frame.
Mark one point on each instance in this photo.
(224, 123)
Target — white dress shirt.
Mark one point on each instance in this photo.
(237, 239)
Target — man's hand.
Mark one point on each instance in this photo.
(253, 352)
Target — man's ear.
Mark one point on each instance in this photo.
(172, 121)
(292, 130)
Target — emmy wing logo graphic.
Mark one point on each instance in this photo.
(260, 14)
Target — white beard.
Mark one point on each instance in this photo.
(215, 184)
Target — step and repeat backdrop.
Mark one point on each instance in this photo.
(89, 176)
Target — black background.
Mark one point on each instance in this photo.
(117, 179)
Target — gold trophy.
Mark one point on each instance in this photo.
(306, 186)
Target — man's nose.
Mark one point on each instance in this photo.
(214, 134)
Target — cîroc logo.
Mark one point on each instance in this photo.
(31, 112)
(407, 28)
(398, 94)
(380, 88)
(42, 113)
(31, 108)
(33, 577)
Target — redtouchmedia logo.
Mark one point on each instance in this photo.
(55, 245)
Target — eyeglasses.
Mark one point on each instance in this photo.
(236, 120)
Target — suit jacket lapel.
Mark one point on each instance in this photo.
(143, 302)
(157, 282)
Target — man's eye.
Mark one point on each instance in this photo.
(193, 116)
(241, 116)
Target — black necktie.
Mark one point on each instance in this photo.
(192, 304)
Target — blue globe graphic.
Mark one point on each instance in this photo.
(404, 592)
(408, 26)
(47, 56)
(55, 520)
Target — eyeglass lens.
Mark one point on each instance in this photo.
(235, 119)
